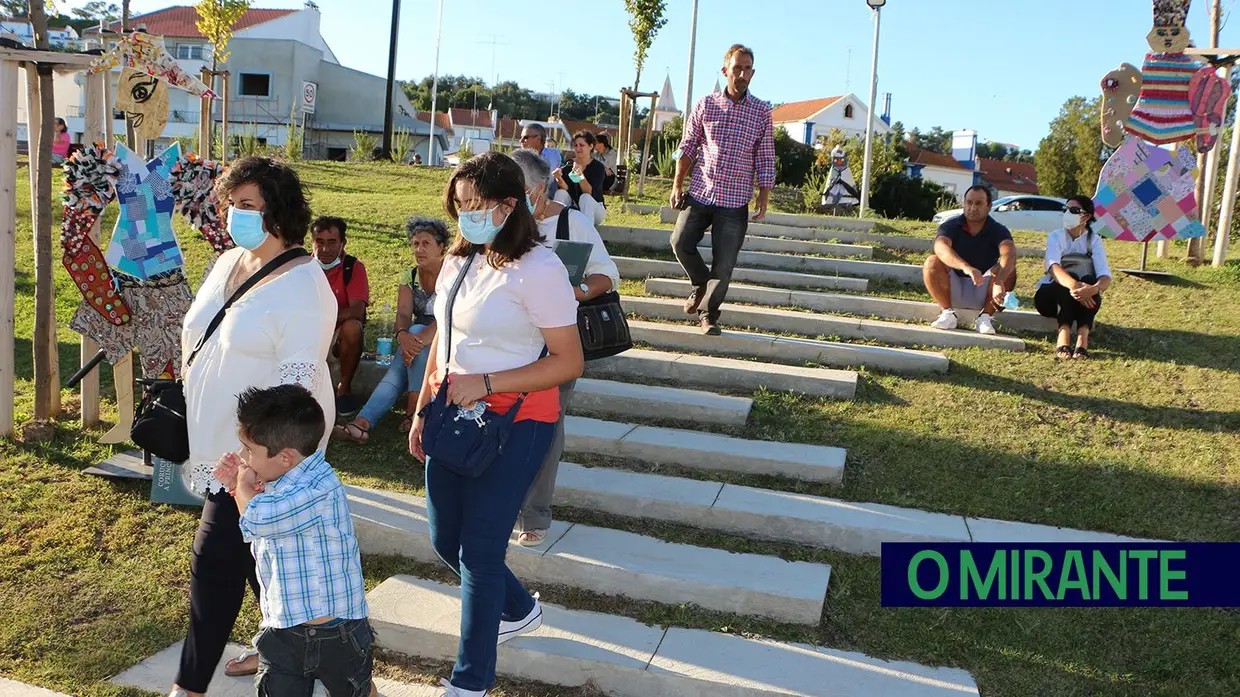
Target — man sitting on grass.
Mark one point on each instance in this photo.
(295, 515)
(973, 265)
(347, 278)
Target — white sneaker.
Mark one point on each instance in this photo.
(946, 320)
(451, 690)
(525, 625)
(983, 324)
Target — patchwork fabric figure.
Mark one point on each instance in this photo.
(1148, 193)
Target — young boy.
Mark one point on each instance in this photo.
(295, 515)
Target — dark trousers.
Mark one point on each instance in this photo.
(291, 659)
(220, 567)
(1053, 300)
(727, 236)
(536, 512)
(471, 520)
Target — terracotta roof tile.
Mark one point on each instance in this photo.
(178, 22)
(1017, 177)
(800, 111)
(469, 117)
(441, 120)
(578, 126)
(509, 128)
(917, 156)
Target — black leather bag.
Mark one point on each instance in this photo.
(160, 426)
(1081, 266)
(601, 323)
(464, 441)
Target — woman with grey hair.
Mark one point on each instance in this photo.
(415, 330)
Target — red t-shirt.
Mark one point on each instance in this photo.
(358, 289)
(543, 405)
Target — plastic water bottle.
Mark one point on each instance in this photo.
(1010, 301)
(384, 351)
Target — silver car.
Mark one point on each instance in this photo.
(1040, 213)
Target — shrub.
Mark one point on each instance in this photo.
(364, 145)
(402, 146)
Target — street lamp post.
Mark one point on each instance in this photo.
(430, 145)
(877, 6)
(692, 48)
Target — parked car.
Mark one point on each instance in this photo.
(1040, 213)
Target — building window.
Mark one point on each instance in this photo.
(848, 111)
(254, 85)
(192, 52)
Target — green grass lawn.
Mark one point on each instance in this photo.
(1141, 441)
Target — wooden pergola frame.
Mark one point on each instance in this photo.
(12, 62)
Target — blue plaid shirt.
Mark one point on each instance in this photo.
(302, 536)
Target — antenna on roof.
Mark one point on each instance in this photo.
(848, 73)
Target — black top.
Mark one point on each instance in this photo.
(981, 251)
(594, 172)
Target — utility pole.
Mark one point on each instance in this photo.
(877, 7)
(692, 55)
(430, 146)
(386, 150)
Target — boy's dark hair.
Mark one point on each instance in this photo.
(324, 222)
(284, 416)
(287, 211)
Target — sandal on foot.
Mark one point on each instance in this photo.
(1081, 353)
(232, 669)
(352, 432)
(406, 424)
(1063, 352)
(532, 538)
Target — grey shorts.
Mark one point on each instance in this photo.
(965, 295)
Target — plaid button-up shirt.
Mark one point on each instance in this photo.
(302, 537)
(731, 144)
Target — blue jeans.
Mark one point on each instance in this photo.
(471, 520)
(398, 380)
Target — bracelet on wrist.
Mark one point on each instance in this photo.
(486, 380)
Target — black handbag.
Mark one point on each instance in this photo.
(464, 441)
(601, 323)
(1080, 266)
(159, 425)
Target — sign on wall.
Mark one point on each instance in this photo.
(309, 95)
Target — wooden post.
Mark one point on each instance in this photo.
(1229, 198)
(40, 117)
(93, 132)
(1197, 245)
(641, 184)
(224, 116)
(8, 237)
(204, 118)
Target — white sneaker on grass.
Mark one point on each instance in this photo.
(984, 324)
(947, 320)
(511, 630)
(451, 690)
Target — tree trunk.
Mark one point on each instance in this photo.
(42, 113)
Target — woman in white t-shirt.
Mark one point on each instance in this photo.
(278, 333)
(514, 298)
(1072, 295)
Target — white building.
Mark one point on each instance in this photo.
(665, 109)
(57, 37)
(810, 120)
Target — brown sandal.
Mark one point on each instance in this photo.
(232, 669)
(406, 424)
(362, 437)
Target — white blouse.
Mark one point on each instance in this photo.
(1059, 243)
(278, 333)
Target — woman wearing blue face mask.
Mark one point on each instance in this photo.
(1077, 273)
(501, 298)
(276, 331)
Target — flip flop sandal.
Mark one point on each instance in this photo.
(1063, 352)
(406, 424)
(233, 672)
(346, 432)
(1081, 354)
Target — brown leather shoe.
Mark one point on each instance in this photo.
(691, 305)
(709, 327)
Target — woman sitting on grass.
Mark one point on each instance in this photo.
(1076, 275)
(415, 331)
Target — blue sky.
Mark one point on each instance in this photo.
(1000, 67)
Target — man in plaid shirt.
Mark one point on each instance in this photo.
(729, 145)
(295, 514)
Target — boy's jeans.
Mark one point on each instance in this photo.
(290, 660)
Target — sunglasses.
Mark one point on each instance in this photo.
(1076, 210)
(527, 137)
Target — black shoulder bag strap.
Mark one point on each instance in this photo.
(250, 282)
(561, 225)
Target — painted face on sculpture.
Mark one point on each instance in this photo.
(1171, 39)
(144, 99)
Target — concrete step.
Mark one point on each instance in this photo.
(725, 373)
(595, 396)
(703, 451)
(765, 347)
(624, 658)
(903, 273)
(12, 688)
(652, 238)
(613, 562)
(668, 215)
(631, 267)
(866, 305)
(813, 324)
(848, 526)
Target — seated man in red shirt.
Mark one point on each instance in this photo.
(347, 278)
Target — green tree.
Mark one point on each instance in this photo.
(98, 10)
(934, 140)
(14, 9)
(793, 161)
(1071, 155)
(645, 21)
(215, 22)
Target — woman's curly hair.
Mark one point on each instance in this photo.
(433, 226)
(286, 210)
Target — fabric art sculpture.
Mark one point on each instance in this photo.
(841, 190)
(1148, 193)
(146, 53)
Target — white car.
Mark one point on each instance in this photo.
(1040, 213)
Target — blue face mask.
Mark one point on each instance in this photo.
(478, 227)
(246, 228)
(529, 202)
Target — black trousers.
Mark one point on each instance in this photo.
(1053, 300)
(727, 235)
(220, 567)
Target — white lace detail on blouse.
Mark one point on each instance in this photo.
(202, 478)
(299, 373)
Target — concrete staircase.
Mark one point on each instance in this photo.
(766, 347)
(624, 658)
(814, 324)
(863, 305)
(660, 240)
(631, 267)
